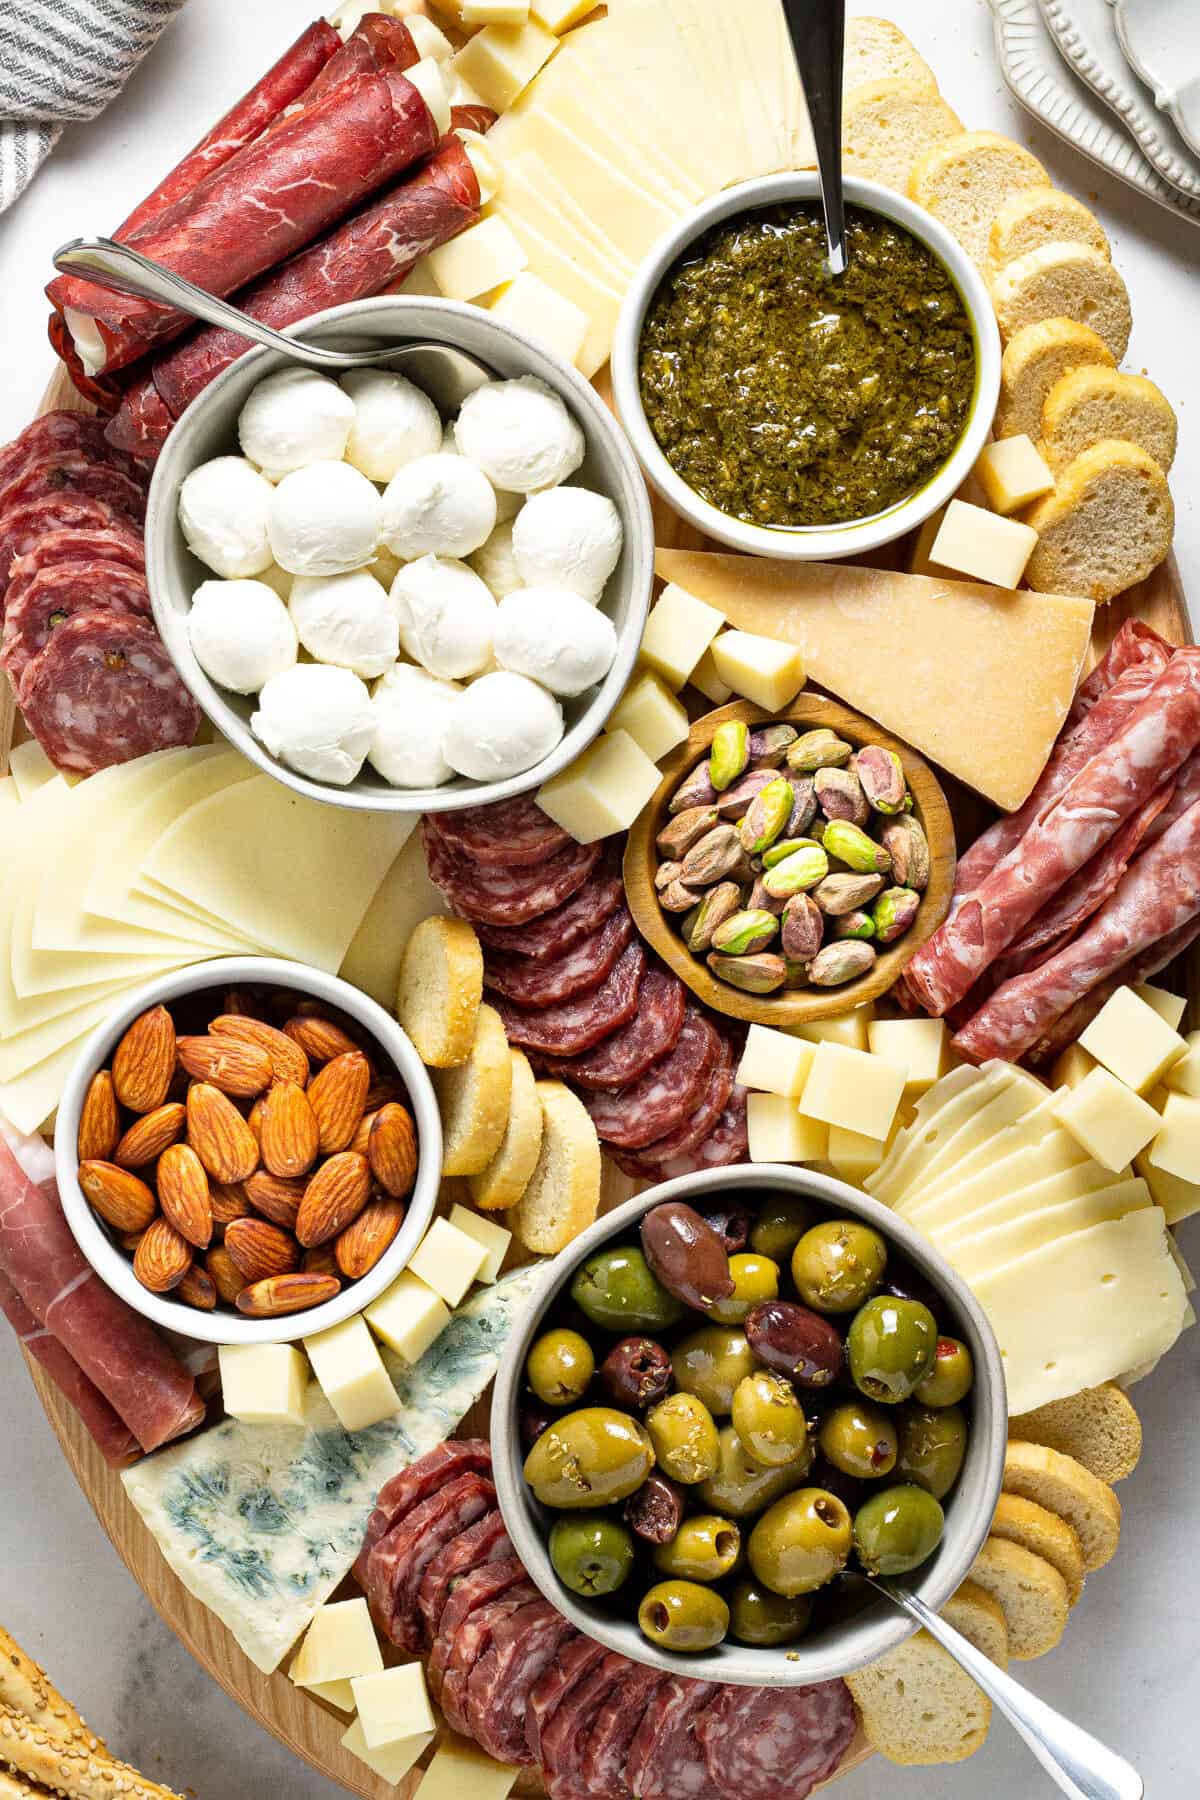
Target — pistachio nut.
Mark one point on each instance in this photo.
(904, 839)
(770, 744)
(882, 776)
(851, 845)
(685, 829)
(665, 874)
(821, 749)
(730, 753)
(804, 808)
(803, 928)
(766, 816)
(734, 801)
(854, 925)
(694, 790)
(802, 870)
(761, 901)
(797, 973)
(676, 897)
(787, 847)
(838, 963)
(840, 795)
(894, 912)
(717, 854)
(719, 903)
(745, 932)
(840, 893)
(760, 974)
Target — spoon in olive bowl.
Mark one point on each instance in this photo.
(817, 29)
(1080, 1764)
(447, 374)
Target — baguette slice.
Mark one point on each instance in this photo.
(918, 1707)
(1099, 1428)
(1025, 1522)
(1087, 405)
(1058, 281)
(1031, 1594)
(1108, 523)
(877, 50)
(1065, 1487)
(1034, 359)
(506, 1177)
(1041, 215)
(474, 1099)
(965, 180)
(887, 125)
(563, 1193)
(441, 985)
(980, 1618)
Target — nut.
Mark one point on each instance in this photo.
(145, 1061)
(335, 1195)
(228, 1203)
(803, 928)
(219, 1135)
(277, 1294)
(319, 1038)
(894, 912)
(820, 749)
(183, 1194)
(714, 857)
(259, 1249)
(362, 1136)
(745, 933)
(123, 1200)
(784, 848)
(254, 1119)
(383, 1090)
(718, 904)
(665, 874)
(198, 1289)
(163, 1257)
(760, 974)
(802, 870)
(729, 753)
(321, 1259)
(150, 1135)
(838, 963)
(359, 1247)
(288, 1061)
(694, 790)
(392, 1150)
(761, 901)
(882, 776)
(224, 1273)
(229, 1064)
(734, 801)
(685, 829)
(766, 816)
(804, 809)
(338, 1097)
(770, 744)
(904, 839)
(99, 1120)
(289, 1135)
(842, 893)
(677, 898)
(854, 925)
(275, 1197)
(840, 795)
(851, 845)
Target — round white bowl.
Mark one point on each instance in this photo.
(818, 543)
(115, 1267)
(209, 428)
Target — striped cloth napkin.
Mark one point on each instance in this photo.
(61, 61)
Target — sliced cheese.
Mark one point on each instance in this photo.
(998, 1246)
(849, 1028)
(559, 15)
(393, 1705)
(965, 1108)
(1001, 1176)
(778, 1131)
(1132, 1040)
(22, 1050)
(461, 1772)
(853, 1155)
(625, 218)
(30, 768)
(1183, 1076)
(651, 714)
(1168, 1006)
(853, 1089)
(705, 678)
(501, 60)
(532, 195)
(774, 1062)
(592, 295)
(918, 1046)
(338, 1693)
(29, 1099)
(557, 102)
(10, 794)
(405, 896)
(340, 1643)
(1179, 1199)
(1030, 1128)
(1071, 1067)
(1176, 1148)
(391, 1762)
(1107, 1119)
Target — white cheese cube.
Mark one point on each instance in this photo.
(338, 1645)
(559, 15)
(1183, 1077)
(393, 1705)
(408, 1316)
(760, 668)
(1106, 1118)
(919, 562)
(448, 1260)
(853, 1155)
(651, 714)
(1072, 1066)
(779, 1133)
(918, 1046)
(1012, 473)
(391, 1762)
(501, 61)
(1168, 1006)
(849, 1028)
(461, 1772)
(603, 791)
(337, 1693)
(532, 305)
(263, 1384)
(493, 1237)
(481, 258)
(704, 677)
(1176, 1149)
(419, 284)
(495, 12)
(982, 545)
(352, 1376)
(1130, 1038)
(1179, 1199)
(854, 1089)
(775, 1063)
(678, 631)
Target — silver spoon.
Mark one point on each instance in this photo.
(1080, 1764)
(818, 31)
(447, 375)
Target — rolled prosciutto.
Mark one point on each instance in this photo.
(1143, 967)
(115, 1442)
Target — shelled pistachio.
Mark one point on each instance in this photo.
(718, 904)
(842, 893)
(839, 793)
(904, 839)
(734, 801)
(839, 963)
(820, 749)
(761, 974)
(803, 928)
(854, 925)
(729, 755)
(882, 776)
(685, 829)
(713, 857)
(766, 816)
(744, 933)
(802, 870)
(769, 744)
(851, 845)
(894, 912)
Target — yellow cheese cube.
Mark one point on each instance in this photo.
(919, 561)
(494, 12)
(1168, 1006)
(775, 1063)
(493, 1237)
(1176, 1149)
(481, 258)
(1130, 1038)
(352, 1376)
(1072, 1067)
(778, 1131)
(461, 1772)
(337, 1693)
(761, 668)
(651, 714)
(559, 15)
(1179, 1199)
(853, 1155)
(338, 1645)
(1012, 473)
(853, 1089)
(849, 1028)
(679, 630)
(704, 677)
(1183, 1077)
(533, 306)
(419, 284)
(448, 1260)
(603, 791)
(918, 1046)
(1106, 1118)
(982, 545)
(393, 1705)
(391, 1762)
(408, 1316)
(501, 61)
(263, 1384)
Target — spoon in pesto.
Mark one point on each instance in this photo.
(818, 31)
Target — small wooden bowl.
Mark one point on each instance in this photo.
(794, 1006)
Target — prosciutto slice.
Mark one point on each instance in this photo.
(114, 1440)
(1143, 967)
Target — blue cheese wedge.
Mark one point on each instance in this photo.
(261, 1522)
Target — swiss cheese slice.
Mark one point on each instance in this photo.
(10, 794)
(1001, 1177)
(1029, 1129)
(600, 302)
(23, 1050)
(1000, 1245)
(405, 897)
(558, 103)
(30, 768)
(956, 1116)
(29, 1099)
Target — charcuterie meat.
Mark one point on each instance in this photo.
(605, 1754)
(1143, 967)
(472, 118)
(665, 1096)
(485, 1541)
(58, 436)
(457, 1456)
(499, 1686)
(112, 1437)
(55, 594)
(555, 1684)
(625, 1055)
(566, 1736)
(1134, 643)
(557, 932)
(103, 691)
(666, 1761)
(51, 475)
(579, 1023)
(694, 1130)
(402, 1555)
(527, 982)
(376, 42)
(483, 1585)
(114, 543)
(1185, 794)
(511, 833)
(25, 526)
(506, 896)
(763, 1742)
(472, 1641)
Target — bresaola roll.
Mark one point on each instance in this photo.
(112, 1437)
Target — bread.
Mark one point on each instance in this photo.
(1041, 215)
(1099, 1428)
(28, 1690)
(886, 125)
(1065, 1487)
(1063, 281)
(1034, 359)
(965, 180)
(1031, 1594)
(1025, 1522)
(877, 50)
(76, 1768)
(980, 1618)
(473, 1099)
(1086, 405)
(563, 1192)
(1108, 523)
(506, 1177)
(918, 1706)
(441, 985)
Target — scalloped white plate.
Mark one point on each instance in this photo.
(1161, 43)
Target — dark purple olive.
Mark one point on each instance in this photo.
(686, 1254)
(655, 1511)
(534, 1418)
(732, 1225)
(636, 1373)
(795, 1341)
(903, 1282)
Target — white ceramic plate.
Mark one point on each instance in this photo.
(1161, 42)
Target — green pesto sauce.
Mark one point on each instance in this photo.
(789, 398)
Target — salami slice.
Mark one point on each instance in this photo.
(483, 1585)
(485, 1541)
(75, 474)
(602, 1767)
(665, 1096)
(579, 1023)
(39, 605)
(472, 1641)
(23, 527)
(456, 1456)
(557, 932)
(509, 835)
(555, 1684)
(1143, 967)
(527, 982)
(666, 1761)
(506, 896)
(499, 1686)
(694, 1130)
(567, 1734)
(115, 543)
(402, 1555)
(59, 436)
(625, 1055)
(762, 1742)
(103, 691)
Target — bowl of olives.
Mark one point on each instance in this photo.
(731, 1398)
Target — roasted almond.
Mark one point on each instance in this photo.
(335, 1195)
(320, 1260)
(145, 1061)
(228, 1203)
(99, 1120)
(289, 1132)
(122, 1199)
(184, 1196)
(219, 1135)
(288, 1061)
(383, 1089)
(197, 1289)
(259, 1249)
(362, 1136)
(163, 1257)
(320, 1039)
(277, 1294)
(254, 1119)
(392, 1150)
(275, 1197)
(235, 1067)
(239, 1002)
(338, 1097)
(150, 1135)
(129, 1240)
(224, 1273)
(364, 1241)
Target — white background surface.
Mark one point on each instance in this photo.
(1128, 1665)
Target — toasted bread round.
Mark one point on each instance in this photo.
(474, 1099)
(1063, 281)
(1034, 359)
(1108, 523)
(1033, 216)
(506, 1177)
(918, 1707)
(980, 1618)
(1087, 405)
(1099, 1428)
(563, 1193)
(1065, 1487)
(1024, 1522)
(965, 180)
(877, 50)
(1031, 1594)
(887, 125)
(440, 987)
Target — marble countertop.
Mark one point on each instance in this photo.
(1127, 1665)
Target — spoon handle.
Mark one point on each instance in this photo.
(818, 33)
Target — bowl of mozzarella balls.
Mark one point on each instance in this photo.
(386, 607)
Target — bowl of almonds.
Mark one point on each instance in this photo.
(248, 1151)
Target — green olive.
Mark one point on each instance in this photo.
(710, 1362)
(838, 1265)
(591, 1553)
(859, 1440)
(741, 1487)
(890, 1348)
(759, 1617)
(755, 1278)
(896, 1529)
(950, 1378)
(589, 1458)
(683, 1615)
(933, 1443)
(705, 1548)
(780, 1225)
(686, 1446)
(560, 1367)
(616, 1290)
(801, 1542)
(769, 1419)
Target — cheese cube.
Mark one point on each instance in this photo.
(779, 1133)
(1106, 1118)
(559, 15)
(1012, 473)
(337, 1693)
(481, 258)
(1130, 1038)
(919, 561)
(419, 284)
(461, 1772)
(851, 1088)
(493, 1237)
(678, 631)
(263, 1384)
(393, 1705)
(1170, 1007)
(1183, 1077)
(532, 305)
(1176, 1149)
(775, 1063)
(448, 1260)
(391, 1762)
(980, 544)
(651, 714)
(1179, 1199)
(761, 668)
(339, 1644)
(501, 61)
(849, 1028)
(704, 677)
(853, 1155)
(1072, 1067)
(603, 791)
(494, 12)
(918, 1046)
(408, 1317)
(352, 1376)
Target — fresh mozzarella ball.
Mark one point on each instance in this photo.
(568, 537)
(224, 507)
(440, 504)
(503, 725)
(324, 520)
(394, 423)
(520, 434)
(412, 711)
(554, 637)
(317, 720)
(347, 620)
(447, 617)
(241, 633)
(293, 418)
(495, 564)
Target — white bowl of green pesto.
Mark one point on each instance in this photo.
(790, 413)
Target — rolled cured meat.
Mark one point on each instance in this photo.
(376, 42)
(1134, 643)
(113, 1438)
(1185, 794)
(1143, 967)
